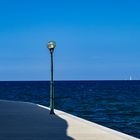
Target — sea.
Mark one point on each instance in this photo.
(114, 104)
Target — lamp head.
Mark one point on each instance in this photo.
(51, 45)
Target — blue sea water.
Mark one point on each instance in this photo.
(114, 104)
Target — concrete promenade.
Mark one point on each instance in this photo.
(28, 121)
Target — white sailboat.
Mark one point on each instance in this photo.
(130, 77)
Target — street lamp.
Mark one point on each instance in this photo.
(51, 46)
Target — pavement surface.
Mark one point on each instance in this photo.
(28, 121)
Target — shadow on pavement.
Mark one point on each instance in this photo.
(25, 121)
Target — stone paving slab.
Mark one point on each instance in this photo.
(28, 121)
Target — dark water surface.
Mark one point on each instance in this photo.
(114, 104)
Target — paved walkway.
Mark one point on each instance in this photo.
(27, 121)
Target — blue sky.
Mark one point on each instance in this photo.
(96, 39)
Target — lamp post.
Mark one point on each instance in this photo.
(51, 46)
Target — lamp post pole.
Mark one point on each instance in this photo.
(51, 46)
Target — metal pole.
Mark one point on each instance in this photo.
(51, 85)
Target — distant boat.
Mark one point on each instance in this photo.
(130, 78)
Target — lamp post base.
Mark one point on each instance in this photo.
(52, 112)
